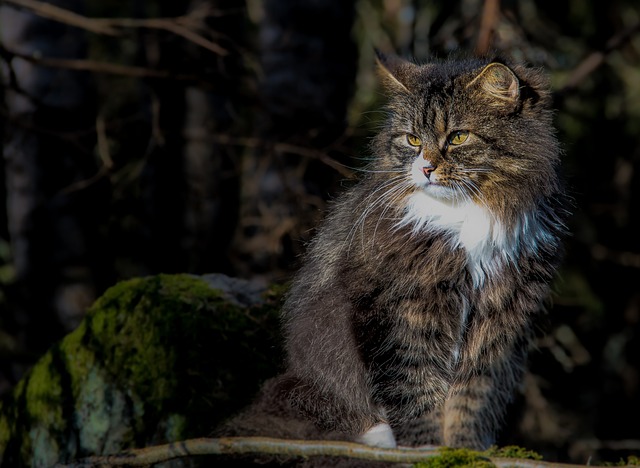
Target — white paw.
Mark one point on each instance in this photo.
(379, 435)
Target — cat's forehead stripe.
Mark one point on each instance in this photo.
(432, 118)
(439, 121)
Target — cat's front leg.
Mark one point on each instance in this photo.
(424, 431)
(476, 404)
(469, 420)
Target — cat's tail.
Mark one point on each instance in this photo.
(272, 415)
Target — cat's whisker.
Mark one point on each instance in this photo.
(396, 195)
(473, 171)
(460, 194)
(475, 190)
(466, 194)
(370, 171)
(365, 169)
(471, 191)
(385, 185)
(371, 205)
(389, 199)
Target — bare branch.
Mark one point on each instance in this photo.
(289, 148)
(109, 26)
(52, 12)
(182, 31)
(99, 67)
(180, 26)
(253, 445)
(283, 447)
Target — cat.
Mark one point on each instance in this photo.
(410, 319)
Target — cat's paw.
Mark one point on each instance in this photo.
(379, 435)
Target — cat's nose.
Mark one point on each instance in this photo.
(427, 170)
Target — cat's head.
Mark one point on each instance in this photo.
(475, 130)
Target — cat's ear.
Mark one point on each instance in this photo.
(498, 84)
(396, 73)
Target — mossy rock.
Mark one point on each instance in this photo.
(156, 360)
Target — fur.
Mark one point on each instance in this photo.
(415, 306)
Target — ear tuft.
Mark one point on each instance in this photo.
(497, 82)
(394, 71)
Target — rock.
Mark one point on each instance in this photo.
(156, 359)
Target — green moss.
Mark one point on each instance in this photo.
(176, 425)
(450, 457)
(43, 393)
(79, 359)
(134, 321)
(631, 460)
(189, 289)
(513, 451)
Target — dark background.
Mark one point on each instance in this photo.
(208, 137)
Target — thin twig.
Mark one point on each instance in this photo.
(99, 67)
(179, 26)
(289, 148)
(186, 33)
(105, 156)
(584, 447)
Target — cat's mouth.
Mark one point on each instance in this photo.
(439, 191)
(432, 185)
(425, 176)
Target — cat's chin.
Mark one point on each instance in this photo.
(442, 193)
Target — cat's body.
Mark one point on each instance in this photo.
(414, 308)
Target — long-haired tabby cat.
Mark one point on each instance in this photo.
(410, 320)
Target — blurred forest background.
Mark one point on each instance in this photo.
(206, 136)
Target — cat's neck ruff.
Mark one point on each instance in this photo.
(473, 227)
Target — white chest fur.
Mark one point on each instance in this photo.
(470, 226)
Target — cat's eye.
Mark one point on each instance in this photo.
(413, 140)
(458, 137)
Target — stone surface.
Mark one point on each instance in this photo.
(156, 359)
